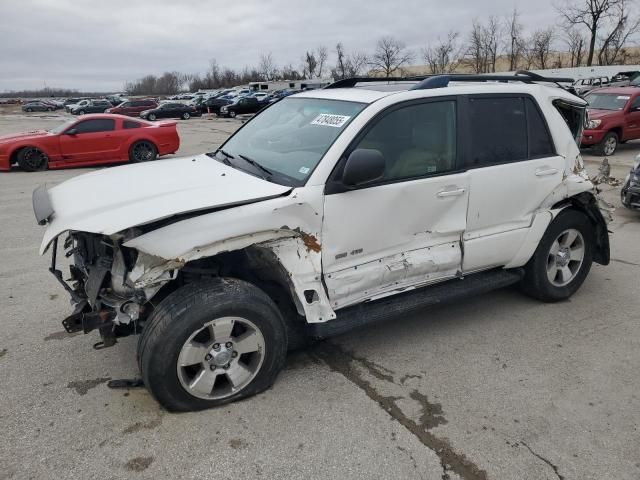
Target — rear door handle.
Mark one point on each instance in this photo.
(546, 171)
(451, 193)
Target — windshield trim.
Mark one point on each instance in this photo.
(294, 182)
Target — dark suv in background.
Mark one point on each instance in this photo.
(240, 106)
(133, 108)
(94, 106)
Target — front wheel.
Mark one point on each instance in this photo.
(563, 258)
(232, 114)
(186, 116)
(151, 117)
(609, 144)
(211, 343)
(32, 159)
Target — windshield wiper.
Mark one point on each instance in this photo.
(256, 164)
(226, 158)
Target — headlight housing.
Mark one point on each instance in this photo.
(593, 124)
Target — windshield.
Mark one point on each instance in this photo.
(607, 101)
(62, 127)
(290, 137)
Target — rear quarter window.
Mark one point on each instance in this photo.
(127, 124)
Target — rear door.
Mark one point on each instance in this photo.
(90, 140)
(513, 167)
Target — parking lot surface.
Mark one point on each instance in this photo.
(498, 386)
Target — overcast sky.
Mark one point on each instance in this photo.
(99, 44)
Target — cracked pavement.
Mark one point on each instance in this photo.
(497, 387)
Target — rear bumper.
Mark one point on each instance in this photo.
(592, 137)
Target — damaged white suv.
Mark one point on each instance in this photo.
(329, 210)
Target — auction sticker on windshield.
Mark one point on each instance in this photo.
(329, 120)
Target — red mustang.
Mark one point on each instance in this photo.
(90, 140)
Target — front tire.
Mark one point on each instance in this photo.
(31, 159)
(609, 144)
(211, 343)
(186, 116)
(563, 258)
(152, 117)
(232, 114)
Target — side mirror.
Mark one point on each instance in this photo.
(71, 131)
(363, 166)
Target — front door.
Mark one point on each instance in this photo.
(632, 121)
(405, 229)
(90, 140)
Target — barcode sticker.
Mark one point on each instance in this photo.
(329, 120)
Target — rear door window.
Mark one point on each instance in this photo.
(498, 130)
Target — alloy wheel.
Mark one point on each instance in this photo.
(221, 358)
(565, 257)
(609, 146)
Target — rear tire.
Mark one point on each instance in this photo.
(151, 117)
(608, 145)
(31, 159)
(186, 116)
(563, 258)
(178, 357)
(142, 151)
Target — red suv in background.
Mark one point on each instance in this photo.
(133, 108)
(614, 118)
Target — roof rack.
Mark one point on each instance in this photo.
(441, 81)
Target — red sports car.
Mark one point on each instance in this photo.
(89, 140)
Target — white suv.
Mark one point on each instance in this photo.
(331, 209)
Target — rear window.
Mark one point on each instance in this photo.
(130, 124)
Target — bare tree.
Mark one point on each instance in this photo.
(389, 56)
(267, 67)
(539, 46)
(444, 56)
(310, 63)
(613, 42)
(348, 65)
(576, 44)
(482, 50)
(321, 54)
(589, 13)
(515, 46)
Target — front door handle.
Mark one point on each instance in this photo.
(546, 171)
(451, 193)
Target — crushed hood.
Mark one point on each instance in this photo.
(111, 200)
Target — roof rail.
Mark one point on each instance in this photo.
(352, 82)
(440, 81)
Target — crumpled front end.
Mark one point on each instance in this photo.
(109, 284)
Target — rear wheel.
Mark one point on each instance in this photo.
(563, 258)
(29, 109)
(143, 151)
(81, 112)
(609, 144)
(31, 159)
(186, 116)
(152, 117)
(211, 343)
(49, 109)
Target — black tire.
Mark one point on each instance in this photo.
(232, 114)
(609, 144)
(81, 112)
(186, 116)
(151, 117)
(184, 312)
(31, 159)
(142, 151)
(536, 282)
(29, 110)
(49, 109)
